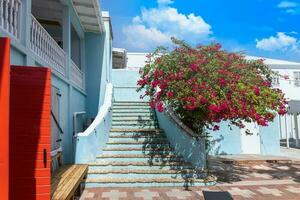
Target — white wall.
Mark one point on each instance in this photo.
(291, 91)
(136, 61)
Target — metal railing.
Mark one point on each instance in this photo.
(10, 18)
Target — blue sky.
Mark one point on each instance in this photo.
(269, 28)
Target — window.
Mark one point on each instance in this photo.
(297, 78)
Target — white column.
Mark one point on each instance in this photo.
(67, 37)
(286, 133)
(25, 28)
(296, 128)
(280, 128)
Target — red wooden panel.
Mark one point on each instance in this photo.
(30, 100)
(4, 117)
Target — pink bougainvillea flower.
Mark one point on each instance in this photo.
(170, 94)
(194, 67)
(152, 104)
(154, 83)
(222, 82)
(207, 85)
(257, 91)
(160, 107)
(203, 100)
(214, 108)
(216, 128)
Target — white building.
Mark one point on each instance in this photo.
(289, 83)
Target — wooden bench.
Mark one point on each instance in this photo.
(65, 183)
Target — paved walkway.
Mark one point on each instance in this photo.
(291, 153)
(239, 181)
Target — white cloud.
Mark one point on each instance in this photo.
(140, 37)
(287, 4)
(169, 20)
(164, 2)
(281, 42)
(289, 7)
(165, 21)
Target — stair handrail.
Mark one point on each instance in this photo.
(103, 111)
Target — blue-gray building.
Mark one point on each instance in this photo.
(74, 39)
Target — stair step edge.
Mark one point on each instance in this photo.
(140, 171)
(136, 156)
(135, 130)
(148, 180)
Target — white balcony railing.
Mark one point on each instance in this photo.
(44, 46)
(77, 76)
(10, 16)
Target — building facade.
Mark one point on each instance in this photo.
(74, 39)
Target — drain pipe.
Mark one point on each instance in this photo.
(74, 121)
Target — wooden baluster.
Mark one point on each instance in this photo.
(61, 63)
(51, 52)
(38, 39)
(14, 18)
(1, 12)
(42, 42)
(6, 14)
(17, 19)
(30, 35)
(47, 48)
(54, 56)
(10, 14)
(33, 36)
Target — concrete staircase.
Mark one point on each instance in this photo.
(138, 154)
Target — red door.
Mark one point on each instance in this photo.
(30, 122)
(4, 117)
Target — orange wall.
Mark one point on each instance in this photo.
(30, 134)
(4, 117)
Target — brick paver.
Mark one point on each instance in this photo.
(246, 182)
(179, 194)
(293, 189)
(273, 192)
(114, 195)
(146, 194)
(235, 191)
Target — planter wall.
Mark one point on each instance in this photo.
(192, 149)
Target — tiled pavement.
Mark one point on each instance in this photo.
(274, 192)
(247, 181)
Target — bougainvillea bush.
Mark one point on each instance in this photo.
(206, 85)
